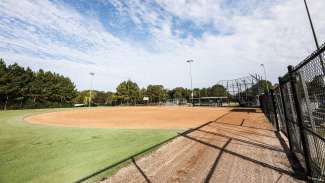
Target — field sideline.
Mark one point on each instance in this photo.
(40, 153)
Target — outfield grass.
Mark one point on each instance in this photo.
(38, 153)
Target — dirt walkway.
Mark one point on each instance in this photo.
(238, 147)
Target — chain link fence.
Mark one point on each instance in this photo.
(296, 107)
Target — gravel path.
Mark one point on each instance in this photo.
(238, 147)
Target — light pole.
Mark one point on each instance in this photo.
(267, 86)
(314, 35)
(311, 25)
(190, 66)
(91, 87)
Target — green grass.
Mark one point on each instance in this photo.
(321, 131)
(39, 153)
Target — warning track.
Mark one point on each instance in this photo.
(237, 147)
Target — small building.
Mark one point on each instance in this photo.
(210, 101)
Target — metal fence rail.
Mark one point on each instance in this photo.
(296, 107)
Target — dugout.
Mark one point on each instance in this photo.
(210, 101)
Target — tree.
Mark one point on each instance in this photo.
(204, 92)
(14, 84)
(179, 92)
(196, 93)
(4, 79)
(81, 97)
(20, 86)
(265, 85)
(156, 93)
(128, 91)
(143, 93)
(315, 87)
(102, 98)
(257, 88)
(217, 91)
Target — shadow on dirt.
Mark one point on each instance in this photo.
(222, 150)
(262, 145)
(141, 171)
(244, 126)
(248, 110)
(215, 163)
(297, 171)
(144, 151)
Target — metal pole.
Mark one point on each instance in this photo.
(238, 93)
(228, 93)
(245, 89)
(311, 25)
(91, 87)
(285, 113)
(258, 84)
(304, 142)
(192, 95)
(190, 65)
(314, 35)
(274, 111)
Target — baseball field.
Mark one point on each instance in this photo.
(64, 145)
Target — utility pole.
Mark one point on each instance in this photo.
(190, 66)
(91, 87)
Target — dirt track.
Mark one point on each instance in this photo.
(130, 117)
(239, 147)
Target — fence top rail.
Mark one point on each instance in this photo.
(310, 57)
(285, 78)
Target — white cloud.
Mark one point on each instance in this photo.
(275, 33)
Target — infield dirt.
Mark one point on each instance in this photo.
(130, 117)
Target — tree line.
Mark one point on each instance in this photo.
(23, 88)
(129, 93)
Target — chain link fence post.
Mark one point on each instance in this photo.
(285, 113)
(293, 82)
(275, 111)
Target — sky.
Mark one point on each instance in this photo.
(149, 41)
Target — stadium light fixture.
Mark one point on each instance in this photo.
(190, 66)
(92, 74)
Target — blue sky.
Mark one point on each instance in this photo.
(149, 41)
